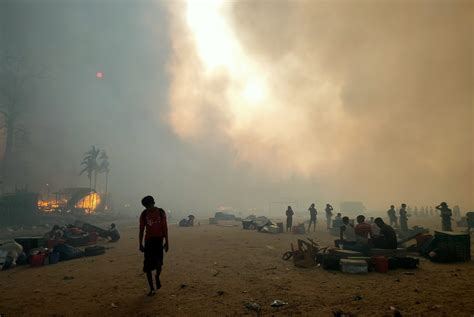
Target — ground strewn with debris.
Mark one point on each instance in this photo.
(215, 271)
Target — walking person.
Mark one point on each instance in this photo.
(289, 218)
(153, 224)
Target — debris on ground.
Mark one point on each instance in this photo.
(278, 303)
(340, 313)
(253, 306)
(357, 298)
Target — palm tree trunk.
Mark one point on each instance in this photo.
(106, 182)
(95, 179)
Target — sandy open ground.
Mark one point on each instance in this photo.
(213, 271)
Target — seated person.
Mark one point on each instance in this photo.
(363, 230)
(337, 221)
(387, 238)
(347, 234)
(375, 228)
(113, 233)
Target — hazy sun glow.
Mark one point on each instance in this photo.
(220, 50)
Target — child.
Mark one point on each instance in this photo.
(153, 222)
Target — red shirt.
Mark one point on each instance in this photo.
(154, 223)
(363, 230)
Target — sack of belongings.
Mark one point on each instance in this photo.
(67, 252)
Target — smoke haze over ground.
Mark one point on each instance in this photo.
(240, 104)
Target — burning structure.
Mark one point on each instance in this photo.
(80, 200)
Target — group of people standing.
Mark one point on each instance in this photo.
(313, 213)
(403, 214)
(399, 219)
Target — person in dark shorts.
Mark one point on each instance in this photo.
(153, 224)
(313, 214)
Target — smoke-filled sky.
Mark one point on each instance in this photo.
(207, 103)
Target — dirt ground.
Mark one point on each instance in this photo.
(214, 271)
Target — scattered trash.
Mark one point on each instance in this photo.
(253, 306)
(396, 312)
(357, 297)
(278, 303)
(340, 313)
(215, 273)
(270, 247)
(114, 305)
(287, 255)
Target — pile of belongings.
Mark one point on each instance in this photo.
(222, 216)
(70, 234)
(11, 254)
(445, 246)
(111, 233)
(310, 254)
(187, 222)
(262, 224)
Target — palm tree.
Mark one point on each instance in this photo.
(89, 168)
(104, 167)
(91, 165)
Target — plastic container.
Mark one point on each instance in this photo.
(37, 260)
(380, 263)
(459, 244)
(53, 257)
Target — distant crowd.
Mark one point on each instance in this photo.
(374, 232)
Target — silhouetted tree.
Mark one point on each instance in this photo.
(90, 165)
(14, 77)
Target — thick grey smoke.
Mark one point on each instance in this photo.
(370, 100)
(361, 101)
